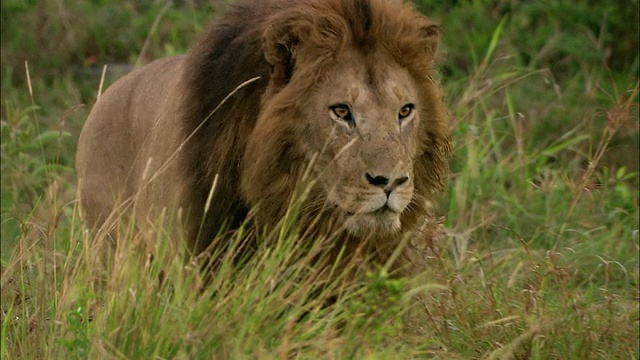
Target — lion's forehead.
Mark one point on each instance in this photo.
(361, 79)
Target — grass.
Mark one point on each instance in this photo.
(539, 251)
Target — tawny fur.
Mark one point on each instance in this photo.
(154, 142)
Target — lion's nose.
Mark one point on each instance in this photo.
(379, 181)
(385, 183)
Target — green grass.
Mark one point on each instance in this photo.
(539, 251)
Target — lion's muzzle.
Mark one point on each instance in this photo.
(375, 204)
(392, 199)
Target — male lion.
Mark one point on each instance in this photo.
(345, 85)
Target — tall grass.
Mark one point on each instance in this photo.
(64, 294)
(538, 255)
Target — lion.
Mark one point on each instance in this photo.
(343, 90)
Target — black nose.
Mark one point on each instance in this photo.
(379, 181)
(383, 181)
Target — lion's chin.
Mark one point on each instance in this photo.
(378, 223)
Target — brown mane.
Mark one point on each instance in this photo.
(288, 44)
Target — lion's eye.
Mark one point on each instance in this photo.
(342, 111)
(405, 111)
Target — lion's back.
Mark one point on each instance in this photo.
(120, 136)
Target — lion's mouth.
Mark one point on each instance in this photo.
(380, 221)
(384, 210)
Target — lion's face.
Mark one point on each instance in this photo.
(350, 90)
(362, 120)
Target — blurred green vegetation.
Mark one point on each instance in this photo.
(59, 36)
(566, 37)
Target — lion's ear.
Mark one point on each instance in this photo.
(279, 51)
(431, 37)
